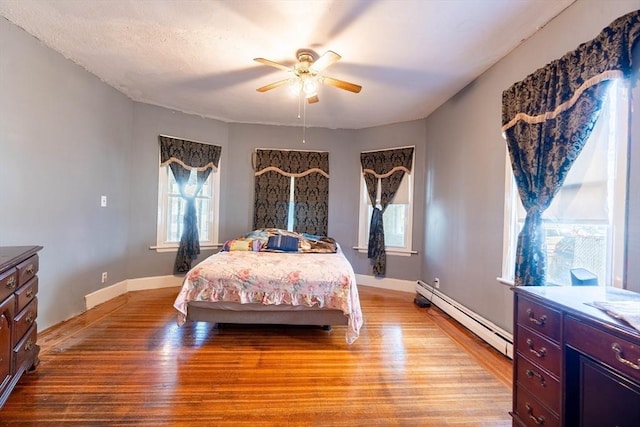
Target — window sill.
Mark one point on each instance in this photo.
(174, 248)
(510, 283)
(505, 282)
(389, 251)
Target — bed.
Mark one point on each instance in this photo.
(272, 276)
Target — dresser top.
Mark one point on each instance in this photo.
(580, 300)
(12, 255)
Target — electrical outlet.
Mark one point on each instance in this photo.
(436, 283)
(103, 201)
(104, 277)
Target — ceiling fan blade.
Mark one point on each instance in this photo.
(313, 99)
(341, 84)
(273, 85)
(327, 59)
(272, 64)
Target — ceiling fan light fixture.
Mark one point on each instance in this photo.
(310, 87)
(295, 86)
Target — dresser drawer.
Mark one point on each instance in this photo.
(8, 309)
(27, 269)
(5, 341)
(8, 282)
(531, 412)
(26, 293)
(539, 318)
(539, 350)
(26, 347)
(619, 354)
(543, 385)
(25, 319)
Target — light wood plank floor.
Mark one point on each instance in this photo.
(127, 362)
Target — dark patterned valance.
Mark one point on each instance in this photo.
(383, 163)
(189, 154)
(292, 163)
(606, 57)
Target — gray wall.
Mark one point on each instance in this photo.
(236, 210)
(67, 138)
(389, 136)
(236, 194)
(465, 163)
(64, 141)
(149, 122)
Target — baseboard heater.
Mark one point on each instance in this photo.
(498, 338)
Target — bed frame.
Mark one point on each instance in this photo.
(230, 312)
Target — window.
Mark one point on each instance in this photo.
(291, 217)
(291, 190)
(397, 218)
(171, 208)
(585, 224)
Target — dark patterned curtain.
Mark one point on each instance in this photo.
(388, 167)
(547, 118)
(182, 157)
(310, 170)
(271, 206)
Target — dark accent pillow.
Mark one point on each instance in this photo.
(283, 243)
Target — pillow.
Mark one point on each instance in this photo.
(311, 236)
(242, 245)
(257, 234)
(283, 243)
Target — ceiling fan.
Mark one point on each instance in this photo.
(306, 75)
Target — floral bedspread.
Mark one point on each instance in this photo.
(321, 280)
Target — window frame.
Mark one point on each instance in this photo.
(618, 223)
(364, 218)
(163, 199)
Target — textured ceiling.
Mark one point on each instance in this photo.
(197, 56)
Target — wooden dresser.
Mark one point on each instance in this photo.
(574, 364)
(18, 312)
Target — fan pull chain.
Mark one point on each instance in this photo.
(304, 122)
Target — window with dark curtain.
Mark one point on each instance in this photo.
(547, 119)
(182, 157)
(275, 170)
(386, 167)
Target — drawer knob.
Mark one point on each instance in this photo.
(620, 358)
(30, 269)
(538, 353)
(532, 318)
(538, 420)
(30, 317)
(30, 293)
(12, 282)
(538, 375)
(29, 345)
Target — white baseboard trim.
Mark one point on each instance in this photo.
(493, 335)
(157, 282)
(386, 283)
(105, 294)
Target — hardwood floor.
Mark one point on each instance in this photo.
(126, 362)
